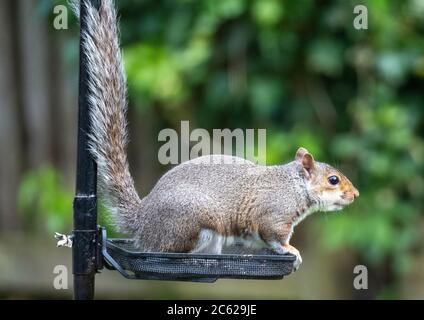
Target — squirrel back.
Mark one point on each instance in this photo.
(200, 203)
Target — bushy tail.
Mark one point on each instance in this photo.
(107, 98)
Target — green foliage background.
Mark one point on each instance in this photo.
(300, 70)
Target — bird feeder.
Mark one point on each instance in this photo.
(93, 251)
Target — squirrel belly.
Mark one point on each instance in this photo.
(200, 204)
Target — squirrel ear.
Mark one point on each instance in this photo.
(307, 160)
(300, 153)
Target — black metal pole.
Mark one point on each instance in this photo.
(84, 249)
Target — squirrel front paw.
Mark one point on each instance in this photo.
(294, 251)
(287, 248)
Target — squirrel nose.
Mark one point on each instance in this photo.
(355, 193)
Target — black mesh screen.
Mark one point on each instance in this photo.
(237, 262)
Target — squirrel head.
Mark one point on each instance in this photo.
(331, 189)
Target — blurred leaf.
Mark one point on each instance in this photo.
(325, 56)
(44, 199)
(267, 12)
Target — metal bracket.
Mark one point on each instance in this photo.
(91, 261)
(110, 262)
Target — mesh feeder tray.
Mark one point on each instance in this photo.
(236, 262)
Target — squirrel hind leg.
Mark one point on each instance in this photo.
(209, 242)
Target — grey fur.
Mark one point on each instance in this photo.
(107, 96)
(230, 199)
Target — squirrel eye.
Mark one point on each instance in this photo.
(334, 180)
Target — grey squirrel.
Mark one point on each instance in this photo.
(200, 203)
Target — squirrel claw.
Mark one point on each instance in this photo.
(294, 251)
(297, 262)
(287, 248)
